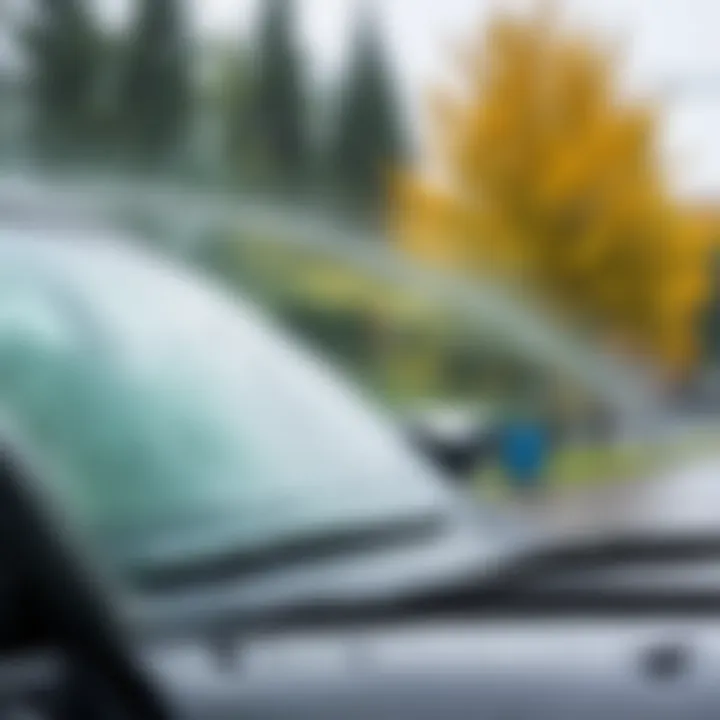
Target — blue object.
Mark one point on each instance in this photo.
(524, 452)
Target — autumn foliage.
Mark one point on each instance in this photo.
(541, 172)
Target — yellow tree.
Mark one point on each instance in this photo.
(544, 174)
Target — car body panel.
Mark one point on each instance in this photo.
(561, 670)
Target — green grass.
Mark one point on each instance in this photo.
(592, 464)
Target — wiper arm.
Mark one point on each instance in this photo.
(514, 583)
(312, 547)
(504, 588)
(603, 554)
(523, 582)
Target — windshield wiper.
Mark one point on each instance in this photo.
(314, 547)
(606, 553)
(516, 586)
(523, 583)
(502, 585)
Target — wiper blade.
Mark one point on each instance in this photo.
(508, 586)
(605, 553)
(313, 547)
(502, 586)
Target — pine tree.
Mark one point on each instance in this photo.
(369, 136)
(236, 105)
(155, 92)
(278, 98)
(62, 45)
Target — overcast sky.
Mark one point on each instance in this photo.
(665, 40)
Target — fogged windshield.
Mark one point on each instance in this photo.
(188, 427)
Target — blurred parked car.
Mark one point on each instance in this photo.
(460, 440)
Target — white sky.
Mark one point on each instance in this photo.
(664, 39)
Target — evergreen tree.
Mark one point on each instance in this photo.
(155, 92)
(369, 138)
(278, 99)
(237, 108)
(62, 44)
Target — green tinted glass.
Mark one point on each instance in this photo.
(178, 422)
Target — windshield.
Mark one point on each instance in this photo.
(179, 423)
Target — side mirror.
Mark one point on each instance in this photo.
(458, 443)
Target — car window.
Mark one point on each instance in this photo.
(195, 426)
